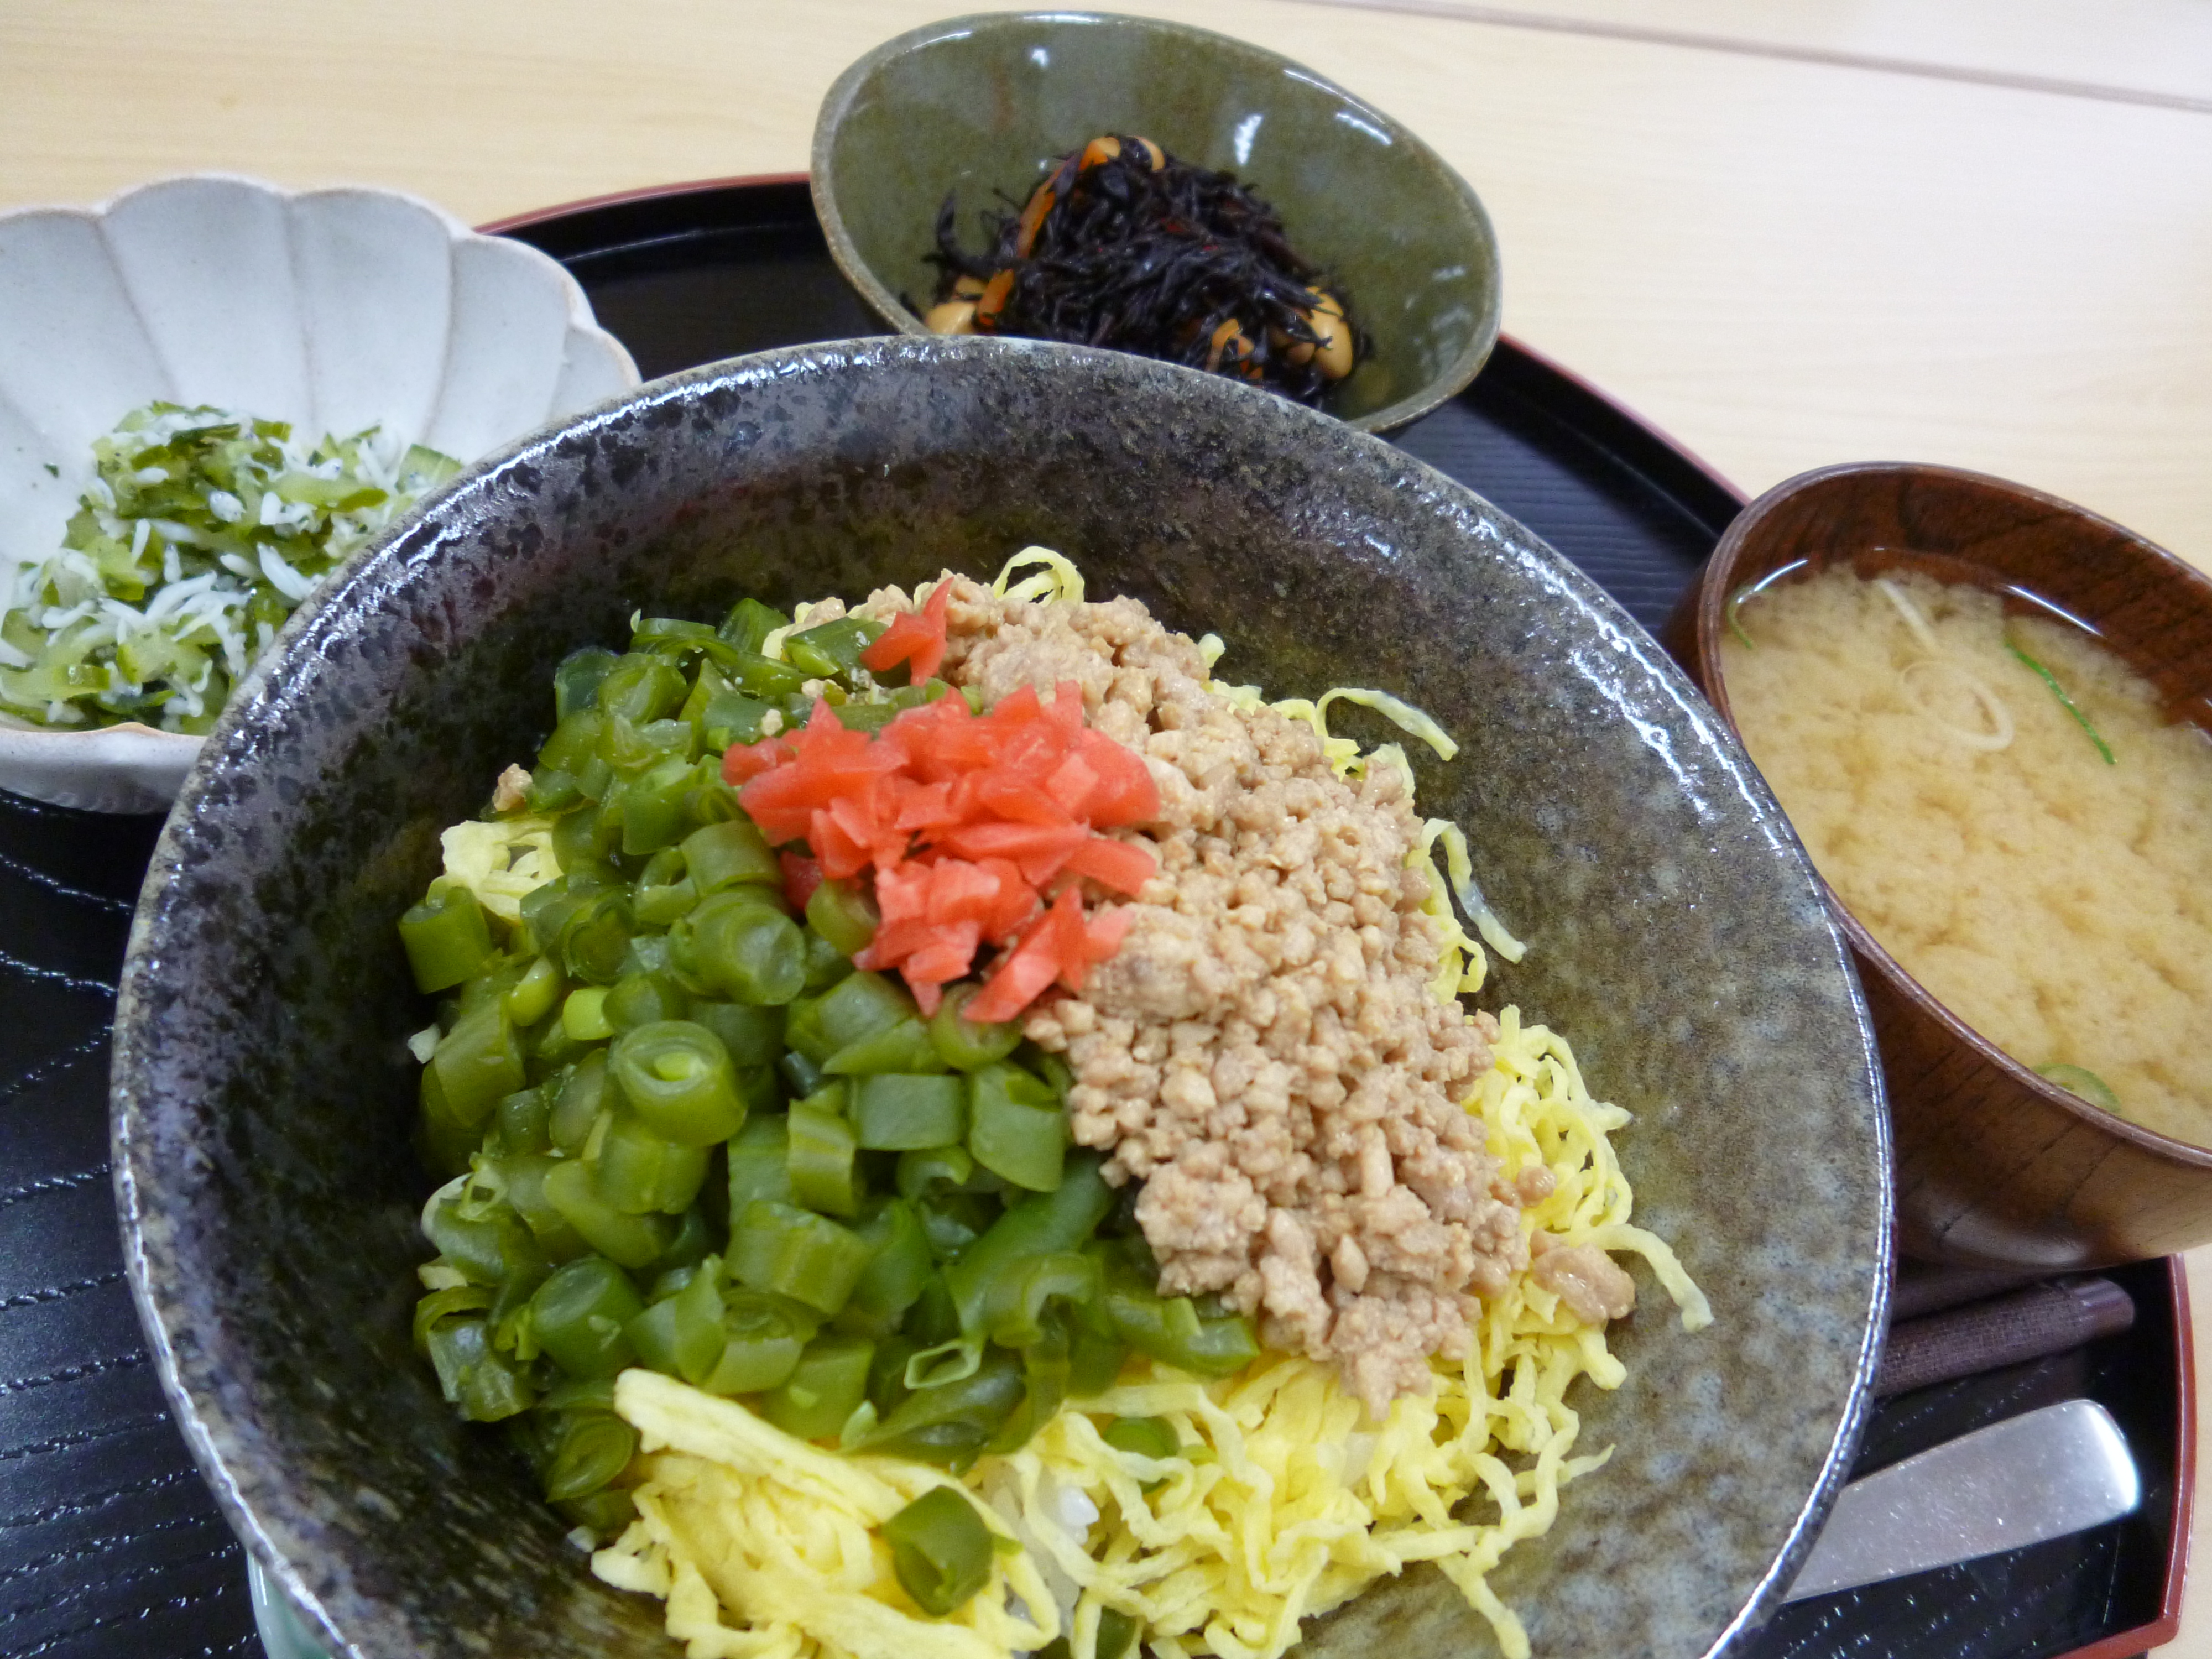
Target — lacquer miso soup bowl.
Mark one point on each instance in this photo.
(1996, 1164)
(264, 1093)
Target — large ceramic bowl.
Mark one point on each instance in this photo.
(332, 310)
(983, 105)
(1997, 1166)
(264, 1091)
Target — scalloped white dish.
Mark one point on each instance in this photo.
(333, 310)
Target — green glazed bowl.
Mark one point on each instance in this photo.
(983, 105)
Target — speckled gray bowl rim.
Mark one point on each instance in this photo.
(1441, 389)
(209, 1412)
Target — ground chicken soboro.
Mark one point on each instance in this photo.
(1264, 1051)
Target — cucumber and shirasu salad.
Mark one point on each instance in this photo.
(201, 531)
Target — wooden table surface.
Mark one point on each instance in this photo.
(1790, 233)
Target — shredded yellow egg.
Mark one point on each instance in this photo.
(1059, 583)
(1282, 1504)
(734, 1514)
(500, 862)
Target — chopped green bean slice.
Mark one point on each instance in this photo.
(762, 1339)
(666, 904)
(500, 976)
(795, 1252)
(524, 1177)
(642, 999)
(950, 1423)
(455, 1301)
(679, 1078)
(523, 1119)
(859, 1007)
(964, 1045)
(593, 1448)
(955, 1220)
(551, 790)
(581, 1394)
(475, 1377)
(898, 1268)
(546, 910)
(639, 687)
(801, 1074)
(478, 1063)
(730, 853)
(887, 1385)
(946, 1364)
(633, 1241)
(574, 741)
(576, 681)
(940, 1550)
(531, 997)
(1015, 1298)
(765, 677)
(731, 718)
(662, 868)
(603, 1514)
(639, 1171)
(904, 1046)
(1017, 1126)
(833, 648)
(824, 1154)
(595, 938)
(584, 1014)
(825, 964)
(843, 913)
(578, 1315)
(1044, 1378)
(682, 1336)
(749, 622)
(1147, 1437)
(1043, 1224)
(470, 1224)
(447, 939)
(898, 1112)
(1117, 1634)
(825, 1389)
(577, 1104)
(753, 1034)
(1171, 1328)
(923, 1173)
(1095, 1360)
(655, 806)
(736, 942)
(935, 1317)
(760, 1165)
(664, 632)
(690, 1247)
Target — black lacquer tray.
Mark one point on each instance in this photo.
(110, 1546)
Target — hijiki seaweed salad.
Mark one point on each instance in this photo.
(961, 1137)
(1124, 246)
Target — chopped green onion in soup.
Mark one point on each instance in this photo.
(201, 530)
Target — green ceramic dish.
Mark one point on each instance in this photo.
(984, 105)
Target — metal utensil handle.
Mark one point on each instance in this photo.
(2052, 1472)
